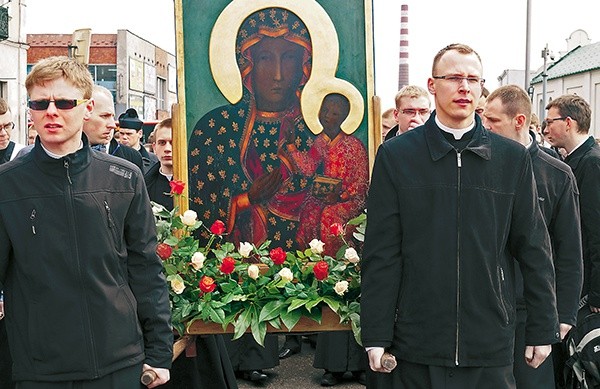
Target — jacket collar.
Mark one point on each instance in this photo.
(480, 144)
(76, 161)
(574, 158)
(534, 149)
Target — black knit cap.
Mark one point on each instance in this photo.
(130, 119)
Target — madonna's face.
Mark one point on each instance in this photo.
(276, 73)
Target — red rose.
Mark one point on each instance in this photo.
(228, 265)
(207, 284)
(321, 270)
(177, 187)
(336, 229)
(218, 227)
(278, 256)
(164, 251)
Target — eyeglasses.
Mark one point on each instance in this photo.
(42, 105)
(552, 120)
(7, 127)
(460, 79)
(412, 112)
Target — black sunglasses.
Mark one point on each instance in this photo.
(41, 105)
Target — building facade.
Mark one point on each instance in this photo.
(139, 74)
(577, 71)
(13, 54)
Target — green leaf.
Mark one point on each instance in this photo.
(172, 241)
(271, 310)
(333, 304)
(313, 303)
(290, 318)
(297, 303)
(259, 330)
(242, 323)
(217, 316)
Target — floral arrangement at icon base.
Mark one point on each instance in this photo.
(216, 283)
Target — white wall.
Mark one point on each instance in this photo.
(13, 68)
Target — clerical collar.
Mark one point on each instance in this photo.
(531, 140)
(457, 133)
(578, 146)
(58, 156)
(168, 176)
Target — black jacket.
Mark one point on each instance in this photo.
(442, 230)
(585, 162)
(125, 152)
(559, 201)
(148, 159)
(158, 187)
(84, 290)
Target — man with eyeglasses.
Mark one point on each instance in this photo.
(131, 134)
(508, 113)
(101, 126)
(567, 126)
(8, 148)
(412, 109)
(86, 301)
(438, 269)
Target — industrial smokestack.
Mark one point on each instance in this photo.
(403, 66)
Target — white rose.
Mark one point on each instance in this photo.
(177, 285)
(351, 255)
(189, 217)
(286, 274)
(245, 249)
(156, 208)
(198, 260)
(316, 246)
(253, 272)
(341, 287)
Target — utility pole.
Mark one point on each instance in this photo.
(527, 45)
(545, 55)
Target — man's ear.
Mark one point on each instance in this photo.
(89, 108)
(520, 121)
(431, 86)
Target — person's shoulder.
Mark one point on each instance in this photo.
(555, 164)
(15, 164)
(114, 163)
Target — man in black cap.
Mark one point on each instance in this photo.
(130, 135)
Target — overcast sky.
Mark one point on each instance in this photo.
(496, 29)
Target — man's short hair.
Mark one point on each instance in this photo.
(4, 108)
(165, 123)
(535, 121)
(412, 91)
(53, 68)
(99, 89)
(576, 108)
(461, 48)
(388, 114)
(514, 100)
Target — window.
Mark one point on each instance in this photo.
(161, 91)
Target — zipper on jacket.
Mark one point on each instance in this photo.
(66, 165)
(501, 291)
(108, 215)
(459, 165)
(70, 206)
(32, 218)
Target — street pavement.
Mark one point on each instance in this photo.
(296, 372)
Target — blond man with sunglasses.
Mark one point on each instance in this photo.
(86, 302)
